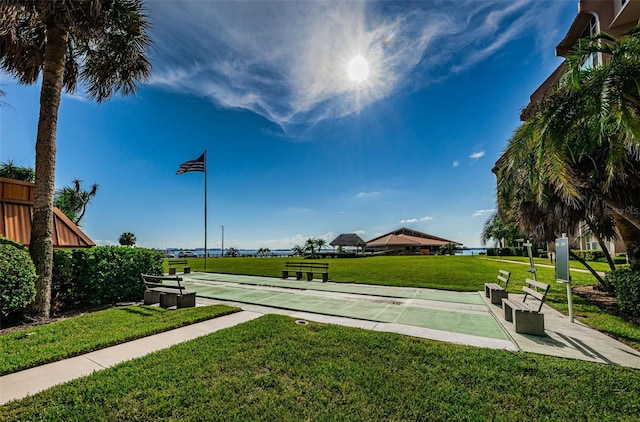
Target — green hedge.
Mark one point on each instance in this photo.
(590, 255)
(17, 279)
(627, 285)
(517, 251)
(104, 274)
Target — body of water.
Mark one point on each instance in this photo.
(287, 252)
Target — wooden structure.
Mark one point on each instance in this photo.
(16, 210)
(167, 295)
(527, 319)
(496, 291)
(408, 241)
(350, 241)
(309, 268)
(173, 263)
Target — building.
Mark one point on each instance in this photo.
(613, 17)
(407, 241)
(351, 240)
(16, 209)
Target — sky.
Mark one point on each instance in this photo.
(302, 142)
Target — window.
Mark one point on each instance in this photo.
(591, 31)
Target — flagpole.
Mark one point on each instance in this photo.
(205, 210)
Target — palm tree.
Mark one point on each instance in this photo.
(298, 250)
(497, 229)
(310, 245)
(580, 145)
(73, 200)
(233, 252)
(11, 171)
(320, 243)
(127, 239)
(100, 43)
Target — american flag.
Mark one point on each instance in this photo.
(193, 165)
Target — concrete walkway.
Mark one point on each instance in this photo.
(563, 339)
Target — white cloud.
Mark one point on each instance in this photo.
(367, 195)
(456, 163)
(480, 213)
(100, 242)
(415, 220)
(409, 220)
(286, 61)
(477, 155)
(360, 232)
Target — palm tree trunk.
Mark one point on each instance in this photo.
(605, 285)
(631, 236)
(605, 250)
(41, 244)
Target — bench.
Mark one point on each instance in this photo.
(495, 291)
(172, 262)
(309, 268)
(527, 319)
(167, 295)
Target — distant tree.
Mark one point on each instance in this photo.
(264, 251)
(448, 249)
(11, 171)
(298, 250)
(233, 252)
(73, 200)
(127, 239)
(310, 245)
(497, 230)
(320, 243)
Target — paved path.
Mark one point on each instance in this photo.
(577, 270)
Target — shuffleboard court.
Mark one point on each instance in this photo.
(364, 289)
(461, 313)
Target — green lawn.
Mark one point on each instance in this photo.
(459, 273)
(274, 369)
(74, 336)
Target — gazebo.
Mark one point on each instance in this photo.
(349, 240)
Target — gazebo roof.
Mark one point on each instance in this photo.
(348, 240)
(16, 210)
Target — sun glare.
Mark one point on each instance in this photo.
(358, 69)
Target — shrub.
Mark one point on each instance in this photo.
(627, 285)
(17, 279)
(5, 241)
(63, 287)
(590, 255)
(103, 274)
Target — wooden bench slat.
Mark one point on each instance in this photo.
(537, 284)
(533, 293)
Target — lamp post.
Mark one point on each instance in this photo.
(222, 250)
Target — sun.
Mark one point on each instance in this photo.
(358, 69)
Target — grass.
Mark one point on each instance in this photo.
(459, 273)
(74, 336)
(273, 369)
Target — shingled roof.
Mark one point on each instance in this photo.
(409, 237)
(348, 240)
(16, 209)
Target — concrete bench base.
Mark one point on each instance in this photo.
(495, 293)
(528, 322)
(525, 320)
